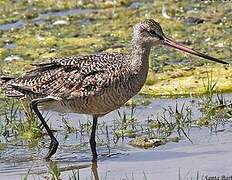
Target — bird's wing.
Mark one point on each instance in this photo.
(67, 77)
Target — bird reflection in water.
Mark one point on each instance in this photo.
(73, 171)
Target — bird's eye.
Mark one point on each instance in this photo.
(152, 32)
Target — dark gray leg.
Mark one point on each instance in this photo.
(54, 143)
(92, 138)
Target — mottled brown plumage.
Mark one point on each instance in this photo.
(92, 84)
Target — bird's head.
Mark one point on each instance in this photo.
(149, 33)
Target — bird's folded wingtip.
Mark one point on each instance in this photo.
(4, 80)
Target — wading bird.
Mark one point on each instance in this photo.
(92, 84)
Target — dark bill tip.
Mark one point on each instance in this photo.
(173, 44)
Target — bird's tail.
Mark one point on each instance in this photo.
(10, 89)
(4, 80)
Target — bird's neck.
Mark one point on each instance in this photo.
(139, 57)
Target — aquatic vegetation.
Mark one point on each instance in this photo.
(172, 120)
(190, 81)
(125, 133)
(144, 142)
(40, 38)
(138, 100)
(3, 53)
(218, 111)
(182, 119)
(68, 127)
(160, 130)
(214, 107)
(16, 124)
(75, 175)
(204, 121)
(54, 171)
(43, 29)
(30, 127)
(8, 115)
(3, 146)
(151, 78)
(125, 125)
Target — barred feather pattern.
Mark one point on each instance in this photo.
(93, 84)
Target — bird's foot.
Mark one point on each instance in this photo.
(52, 148)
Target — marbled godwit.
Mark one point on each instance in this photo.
(92, 84)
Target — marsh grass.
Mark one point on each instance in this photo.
(171, 119)
(67, 126)
(210, 88)
(15, 123)
(29, 128)
(54, 171)
(8, 114)
(158, 129)
(169, 122)
(182, 119)
(126, 124)
(214, 107)
(75, 175)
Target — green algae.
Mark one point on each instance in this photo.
(111, 25)
(125, 133)
(184, 81)
(145, 142)
(202, 122)
(3, 52)
(3, 146)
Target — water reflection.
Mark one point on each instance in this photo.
(94, 170)
(72, 171)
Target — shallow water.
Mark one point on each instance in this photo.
(42, 17)
(209, 154)
(13, 25)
